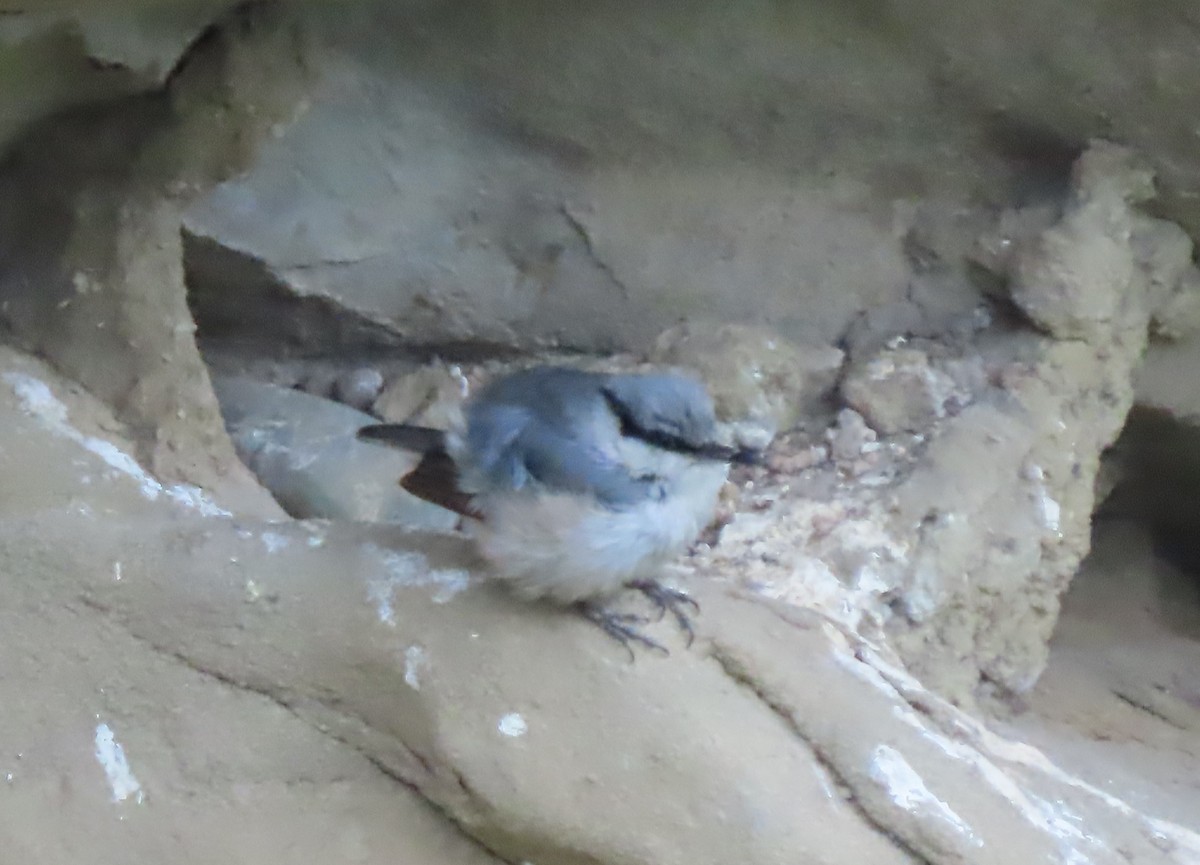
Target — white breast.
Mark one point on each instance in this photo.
(567, 548)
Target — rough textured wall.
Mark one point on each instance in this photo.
(525, 174)
(485, 174)
(495, 174)
(528, 172)
(91, 266)
(519, 173)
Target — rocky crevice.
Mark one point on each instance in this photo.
(92, 275)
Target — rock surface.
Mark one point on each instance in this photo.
(899, 391)
(957, 533)
(91, 272)
(303, 449)
(489, 181)
(522, 176)
(776, 722)
(766, 382)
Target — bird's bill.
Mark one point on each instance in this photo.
(739, 456)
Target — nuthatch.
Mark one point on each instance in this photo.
(579, 483)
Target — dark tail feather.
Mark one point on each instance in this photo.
(435, 479)
(417, 439)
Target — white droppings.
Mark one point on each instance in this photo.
(410, 569)
(380, 594)
(868, 582)
(1052, 818)
(119, 461)
(513, 725)
(112, 759)
(907, 789)
(38, 400)
(1051, 511)
(193, 497)
(274, 542)
(117, 571)
(415, 663)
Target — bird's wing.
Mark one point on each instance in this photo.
(564, 464)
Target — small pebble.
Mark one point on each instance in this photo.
(358, 388)
(849, 437)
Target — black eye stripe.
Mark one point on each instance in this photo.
(657, 438)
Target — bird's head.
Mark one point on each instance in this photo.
(671, 411)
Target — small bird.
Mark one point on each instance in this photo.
(578, 484)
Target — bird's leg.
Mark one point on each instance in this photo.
(619, 626)
(666, 598)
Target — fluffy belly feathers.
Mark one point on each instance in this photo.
(568, 548)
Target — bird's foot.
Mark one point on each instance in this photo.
(666, 598)
(619, 626)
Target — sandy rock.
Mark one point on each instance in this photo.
(849, 437)
(997, 245)
(1163, 251)
(880, 325)
(549, 227)
(1179, 316)
(102, 294)
(358, 388)
(541, 174)
(430, 396)
(754, 374)
(1126, 669)
(1070, 280)
(1032, 474)
(1107, 173)
(303, 449)
(140, 738)
(780, 736)
(899, 391)
(318, 381)
(958, 540)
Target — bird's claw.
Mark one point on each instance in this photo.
(619, 626)
(666, 598)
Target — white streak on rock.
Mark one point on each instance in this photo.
(39, 401)
(274, 542)
(111, 756)
(513, 725)
(415, 663)
(891, 771)
(410, 569)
